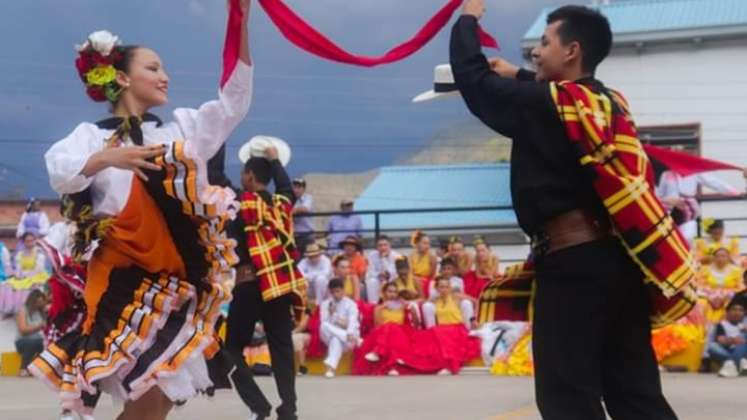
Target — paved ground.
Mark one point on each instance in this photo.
(466, 397)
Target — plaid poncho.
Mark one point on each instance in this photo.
(606, 141)
(269, 234)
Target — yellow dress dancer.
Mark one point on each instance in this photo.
(706, 247)
(31, 274)
(422, 261)
(31, 268)
(719, 281)
(448, 311)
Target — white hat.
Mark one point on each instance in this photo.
(257, 145)
(443, 84)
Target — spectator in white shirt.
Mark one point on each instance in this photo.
(340, 326)
(303, 228)
(317, 270)
(381, 268)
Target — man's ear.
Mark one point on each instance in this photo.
(573, 52)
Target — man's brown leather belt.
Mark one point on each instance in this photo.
(573, 228)
(245, 273)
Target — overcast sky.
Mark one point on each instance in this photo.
(337, 118)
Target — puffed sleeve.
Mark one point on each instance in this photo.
(207, 128)
(66, 159)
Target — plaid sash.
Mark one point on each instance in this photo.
(607, 145)
(269, 234)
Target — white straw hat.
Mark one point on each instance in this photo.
(257, 145)
(443, 84)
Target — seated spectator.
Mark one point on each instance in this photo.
(390, 338)
(339, 326)
(6, 268)
(448, 270)
(301, 340)
(719, 281)
(317, 270)
(381, 268)
(449, 307)
(705, 248)
(30, 321)
(486, 269)
(340, 226)
(458, 253)
(351, 284)
(408, 287)
(33, 221)
(730, 343)
(422, 260)
(31, 273)
(394, 347)
(353, 251)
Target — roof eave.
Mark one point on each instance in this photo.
(665, 37)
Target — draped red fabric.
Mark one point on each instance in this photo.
(683, 163)
(233, 41)
(304, 36)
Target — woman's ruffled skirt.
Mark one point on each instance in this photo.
(148, 331)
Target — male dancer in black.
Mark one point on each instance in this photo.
(248, 306)
(591, 338)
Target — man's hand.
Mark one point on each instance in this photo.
(474, 8)
(271, 153)
(503, 67)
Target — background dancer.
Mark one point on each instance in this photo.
(269, 286)
(570, 184)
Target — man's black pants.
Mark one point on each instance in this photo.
(592, 337)
(246, 309)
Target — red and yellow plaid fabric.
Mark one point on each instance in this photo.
(269, 234)
(608, 147)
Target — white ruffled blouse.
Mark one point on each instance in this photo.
(203, 131)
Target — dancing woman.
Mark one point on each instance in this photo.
(154, 225)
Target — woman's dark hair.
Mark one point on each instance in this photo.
(27, 234)
(448, 261)
(127, 53)
(32, 298)
(589, 28)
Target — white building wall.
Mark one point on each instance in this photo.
(702, 83)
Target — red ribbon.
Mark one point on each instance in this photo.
(304, 36)
(685, 164)
(232, 44)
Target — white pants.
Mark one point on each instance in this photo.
(373, 286)
(337, 343)
(429, 313)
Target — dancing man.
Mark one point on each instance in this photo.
(583, 191)
(269, 286)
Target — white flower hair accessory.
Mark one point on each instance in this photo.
(103, 42)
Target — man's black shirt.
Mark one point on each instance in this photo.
(546, 178)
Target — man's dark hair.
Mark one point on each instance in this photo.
(261, 169)
(735, 303)
(383, 238)
(335, 284)
(448, 261)
(589, 28)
